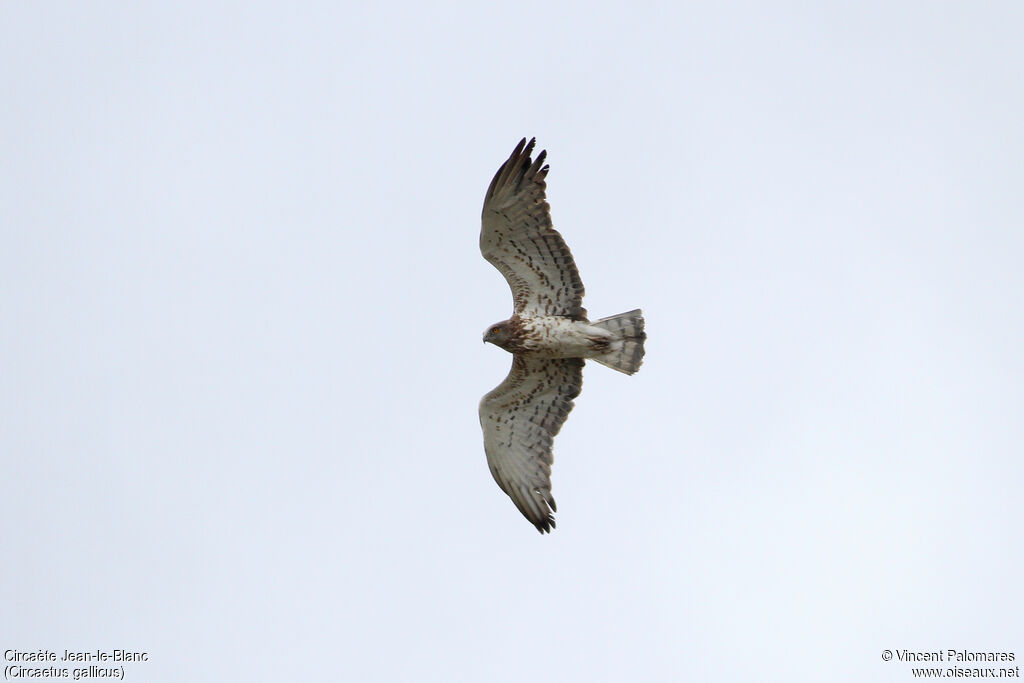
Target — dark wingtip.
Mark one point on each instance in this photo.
(545, 525)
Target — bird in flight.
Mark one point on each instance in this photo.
(548, 335)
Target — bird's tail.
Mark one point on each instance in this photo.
(626, 352)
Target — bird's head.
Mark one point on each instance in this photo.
(499, 334)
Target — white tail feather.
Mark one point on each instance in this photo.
(626, 352)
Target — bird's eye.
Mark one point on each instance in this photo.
(495, 330)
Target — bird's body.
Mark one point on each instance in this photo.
(549, 335)
(552, 336)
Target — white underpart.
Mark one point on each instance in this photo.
(560, 337)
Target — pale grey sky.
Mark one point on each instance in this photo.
(241, 302)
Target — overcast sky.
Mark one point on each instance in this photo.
(241, 303)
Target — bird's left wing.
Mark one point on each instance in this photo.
(517, 237)
(520, 419)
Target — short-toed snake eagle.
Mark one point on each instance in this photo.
(548, 335)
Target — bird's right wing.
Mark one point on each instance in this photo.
(520, 419)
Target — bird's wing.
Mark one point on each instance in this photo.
(520, 419)
(517, 238)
